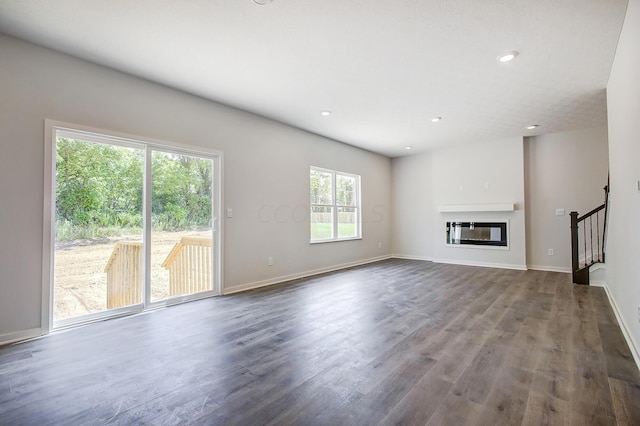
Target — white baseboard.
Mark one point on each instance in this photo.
(482, 264)
(284, 278)
(9, 338)
(410, 257)
(549, 268)
(633, 347)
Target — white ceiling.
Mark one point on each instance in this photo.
(383, 67)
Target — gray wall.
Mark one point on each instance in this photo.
(265, 182)
(562, 171)
(623, 244)
(413, 207)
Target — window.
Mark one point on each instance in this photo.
(335, 205)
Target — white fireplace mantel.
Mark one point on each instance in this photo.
(456, 208)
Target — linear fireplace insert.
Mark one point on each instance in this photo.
(477, 233)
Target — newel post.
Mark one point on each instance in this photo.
(606, 213)
(575, 265)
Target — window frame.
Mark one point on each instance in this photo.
(335, 206)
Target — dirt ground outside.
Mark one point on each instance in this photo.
(80, 283)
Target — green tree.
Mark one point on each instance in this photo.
(100, 186)
(181, 191)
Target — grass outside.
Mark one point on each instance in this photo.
(322, 231)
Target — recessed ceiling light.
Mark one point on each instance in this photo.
(262, 2)
(408, 148)
(508, 56)
(325, 112)
(436, 119)
(533, 126)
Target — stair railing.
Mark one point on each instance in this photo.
(588, 240)
(124, 275)
(189, 266)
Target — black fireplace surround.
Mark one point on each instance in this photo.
(477, 233)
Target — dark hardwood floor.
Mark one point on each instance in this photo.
(394, 342)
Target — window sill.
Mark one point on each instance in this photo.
(334, 240)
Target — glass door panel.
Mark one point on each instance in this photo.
(181, 225)
(98, 261)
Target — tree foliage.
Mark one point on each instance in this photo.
(99, 189)
(182, 191)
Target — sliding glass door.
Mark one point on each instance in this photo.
(132, 226)
(181, 225)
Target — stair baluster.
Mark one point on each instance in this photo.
(581, 261)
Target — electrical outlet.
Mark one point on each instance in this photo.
(270, 261)
(379, 244)
(551, 252)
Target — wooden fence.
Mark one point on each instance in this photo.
(189, 266)
(124, 275)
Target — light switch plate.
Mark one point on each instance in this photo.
(559, 212)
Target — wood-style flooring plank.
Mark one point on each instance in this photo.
(455, 410)
(620, 363)
(626, 401)
(591, 401)
(419, 403)
(393, 342)
(546, 410)
(507, 400)
(478, 378)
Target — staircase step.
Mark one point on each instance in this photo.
(598, 274)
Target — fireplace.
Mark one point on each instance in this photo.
(491, 234)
